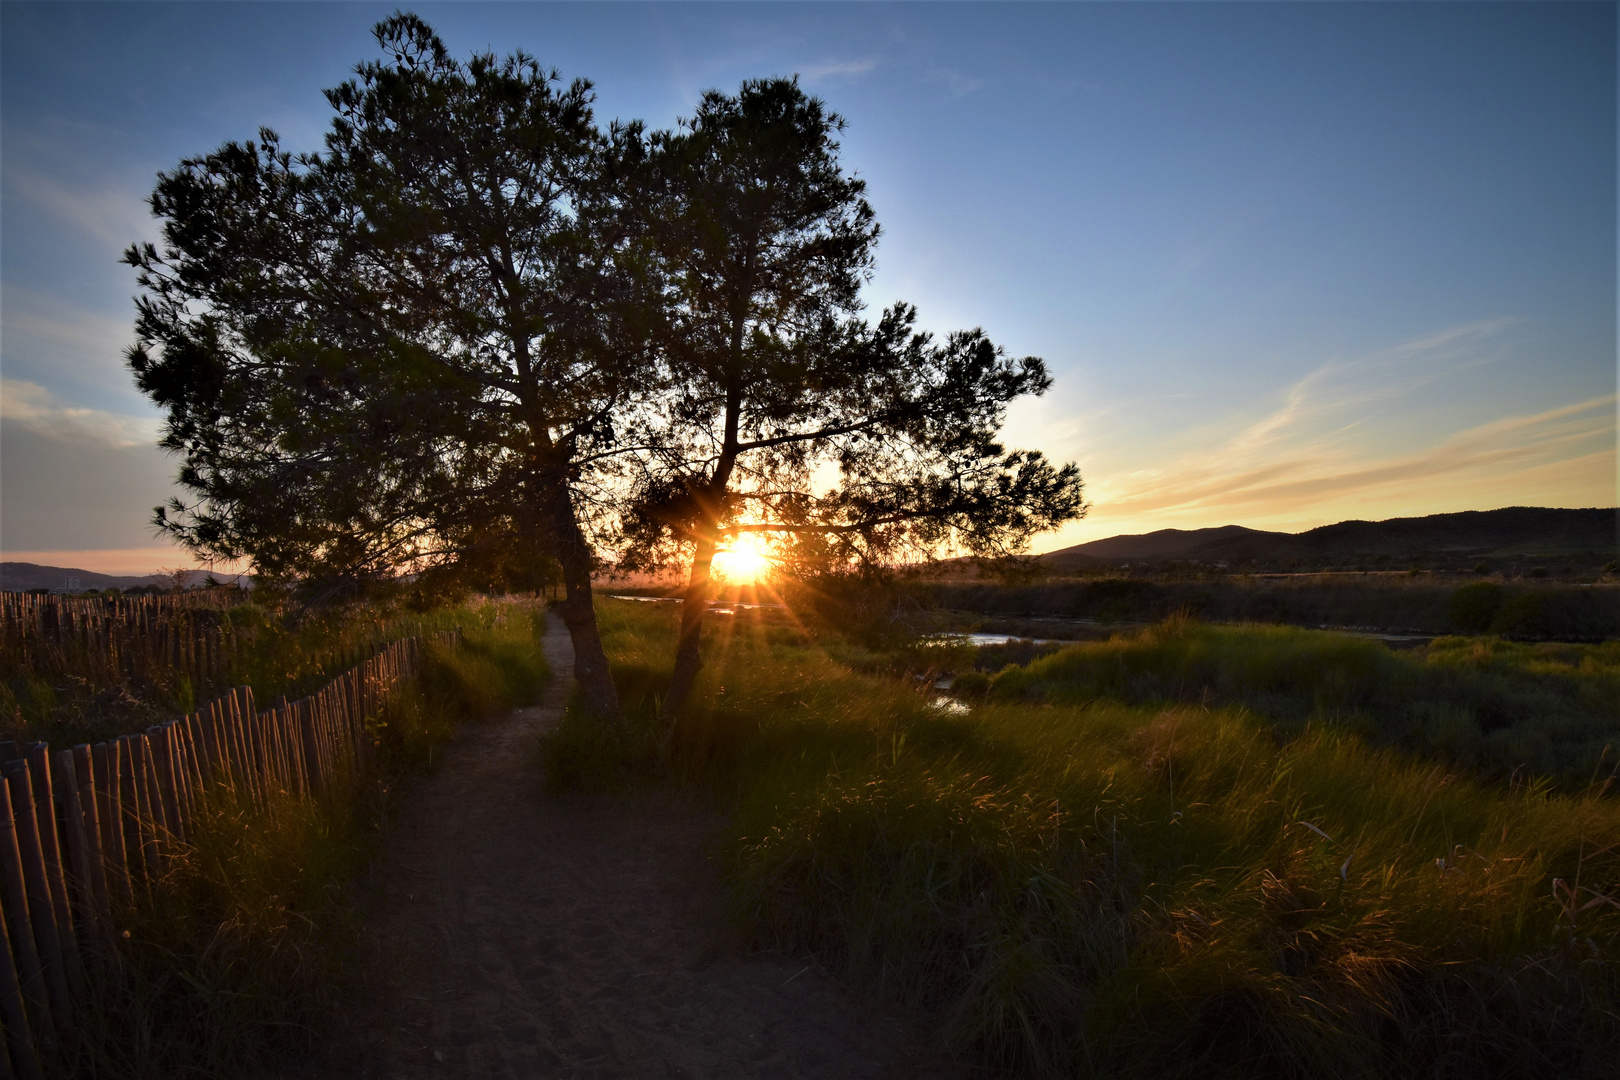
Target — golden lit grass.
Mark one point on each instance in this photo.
(1108, 889)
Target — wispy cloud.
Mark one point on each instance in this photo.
(957, 83)
(1364, 436)
(1339, 387)
(835, 69)
(32, 407)
(1269, 428)
(49, 340)
(1305, 478)
(112, 216)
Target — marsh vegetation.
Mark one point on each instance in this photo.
(1192, 851)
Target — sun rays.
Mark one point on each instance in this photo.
(744, 562)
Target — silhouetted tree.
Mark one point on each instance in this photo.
(422, 348)
(774, 373)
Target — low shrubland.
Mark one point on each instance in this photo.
(1494, 707)
(1126, 881)
(1525, 609)
(243, 955)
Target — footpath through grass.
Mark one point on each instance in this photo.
(245, 955)
(1078, 882)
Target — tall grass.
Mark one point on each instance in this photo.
(1108, 888)
(1491, 706)
(243, 957)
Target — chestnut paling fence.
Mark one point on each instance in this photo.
(114, 639)
(85, 832)
(150, 641)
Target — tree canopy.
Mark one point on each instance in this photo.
(412, 351)
(778, 381)
(477, 333)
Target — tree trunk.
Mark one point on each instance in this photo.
(579, 613)
(688, 660)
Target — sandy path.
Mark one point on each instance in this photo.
(524, 936)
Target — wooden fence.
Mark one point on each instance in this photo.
(85, 832)
(113, 639)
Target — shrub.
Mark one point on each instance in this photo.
(1473, 607)
(971, 684)
(1523, 616)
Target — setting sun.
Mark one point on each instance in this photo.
(744, 561)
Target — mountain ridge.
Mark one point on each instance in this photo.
(1505, 532)
(23, 576)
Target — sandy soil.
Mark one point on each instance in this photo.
(519, 935)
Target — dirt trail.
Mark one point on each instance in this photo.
(524, 936)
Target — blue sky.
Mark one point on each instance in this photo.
(1290, 263)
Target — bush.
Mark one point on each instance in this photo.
(1474, 606)
(1523, 616)
(971, 684)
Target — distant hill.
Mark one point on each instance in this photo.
(1496, 534)
(1164, 544)
(22, 576)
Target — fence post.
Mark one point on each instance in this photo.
(140, 803)
(185, 733)
(41, 910)
(82, 889)
(131, 837)
(312, 749)
(21, 1060)
(13, 881)
(202, 766)
(105, 758)
(241, 751)
(161, 754)
(282, 729)
(219, 763)
(272, 746)
(295, 752)
(39, 768)
(85, 777)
